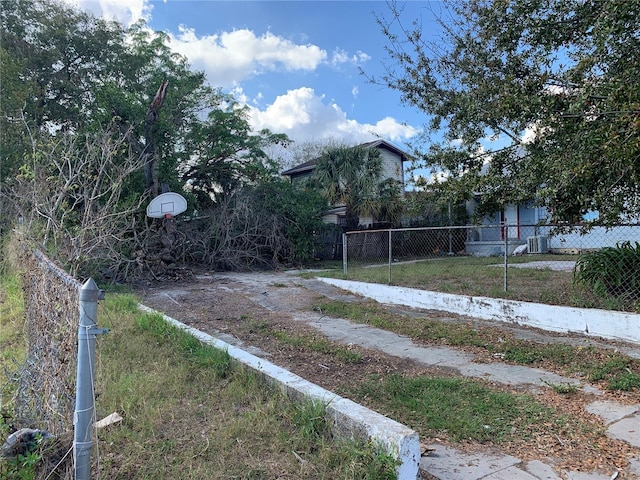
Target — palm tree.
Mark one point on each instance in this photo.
(350, 176)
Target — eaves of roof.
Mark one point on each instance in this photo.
(311, 164)
(303, 167)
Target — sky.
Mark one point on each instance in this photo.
(296, 64)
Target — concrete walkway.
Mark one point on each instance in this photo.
(446, 463)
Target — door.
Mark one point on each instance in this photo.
(511, 216)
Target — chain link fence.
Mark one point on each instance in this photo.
(46, 390)
(535, 263)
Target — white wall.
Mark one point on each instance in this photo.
(391, 165)
(587, 321)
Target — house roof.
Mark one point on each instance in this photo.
(311, 164)
(303, 167)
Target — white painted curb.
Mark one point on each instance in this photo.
(349, 419)
(555, 318)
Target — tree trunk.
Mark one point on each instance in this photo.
(150, 163)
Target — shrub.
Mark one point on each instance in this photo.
(611, 272)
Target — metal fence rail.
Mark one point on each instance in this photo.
(524, 261)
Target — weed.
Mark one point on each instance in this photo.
(258, 326)
(23, 466)
(309, 419)
(318, 344)
(618, 372)
(562, 388)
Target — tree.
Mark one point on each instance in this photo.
(558, 70)
(226, 154)
(350, 176)
(95, 117)
(69, 197)
(68, 71)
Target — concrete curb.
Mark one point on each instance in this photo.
(591, 322)
(349, 419)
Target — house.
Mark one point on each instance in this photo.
(531, 225)
(393, 159)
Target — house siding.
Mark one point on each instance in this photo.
(391, 166)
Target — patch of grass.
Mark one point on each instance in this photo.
(189, 414)
(318, 344)
(193, 349)
(458, 408)
(258, 326)
(481, 276)
(13, 345)
(527, 353)
(369, 314)
(620, 373)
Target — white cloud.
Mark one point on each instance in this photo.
(124, 11)
(230, 57)
(342, 56)
(304, 116)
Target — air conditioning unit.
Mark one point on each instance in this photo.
(537, 244)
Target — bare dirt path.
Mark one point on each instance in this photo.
(255, 310)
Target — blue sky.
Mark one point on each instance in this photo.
(295, 63)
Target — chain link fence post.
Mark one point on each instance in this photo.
(85, 398)
(390, 256)
(344, 254)
(506, 256)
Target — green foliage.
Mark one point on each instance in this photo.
(618, 372)
(351, 176)
(611, 272)
(196, 351)
(300, 210)
(562, 388)
(228, 155)
(75, 112)
(309, 418)
(23, 467)
(559, 70)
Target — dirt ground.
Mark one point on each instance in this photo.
(245, 310)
